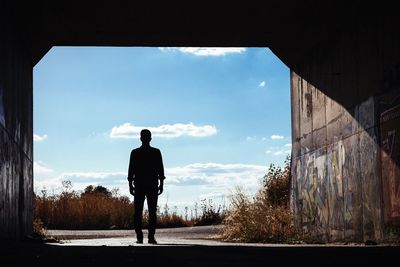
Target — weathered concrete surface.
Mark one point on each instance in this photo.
(345, 108)
(390, 155)
(16, 190)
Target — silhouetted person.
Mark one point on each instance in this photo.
(146, 179)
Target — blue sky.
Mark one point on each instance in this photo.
(219, 117)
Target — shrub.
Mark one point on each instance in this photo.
(39, 229)
(266, 217)
(210, 215)
(276, 185)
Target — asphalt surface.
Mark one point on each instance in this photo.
(199, 235)
(197, 246)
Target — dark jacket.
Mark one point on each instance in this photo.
(145, 166)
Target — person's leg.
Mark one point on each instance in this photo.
(152, 197)
(138, 205)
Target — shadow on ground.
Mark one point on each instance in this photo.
(34, 254)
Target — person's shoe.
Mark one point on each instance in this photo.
(152, 241)
(139, 241)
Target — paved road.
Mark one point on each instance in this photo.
(199, 235)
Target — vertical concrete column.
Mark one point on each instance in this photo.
(16, 136)
(345, 124)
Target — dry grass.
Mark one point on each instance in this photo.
(255, 220)
(93, 211)
(265, 217)
(39, 229)
(98, 208)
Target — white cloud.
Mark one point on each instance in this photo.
(277, 137)
(251, 138)
(279, 150)
(38, 138)
(92, 176)
(206, 51)
(128, 130)
(288, 145)
(39, 168)
(216, 174)
(262, 84)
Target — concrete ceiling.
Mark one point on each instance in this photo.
(290, 28)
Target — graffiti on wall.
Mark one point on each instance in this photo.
(390, 155)
(318, 194)
(336, 184)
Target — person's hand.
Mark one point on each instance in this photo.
(131, 189)
(160, 189)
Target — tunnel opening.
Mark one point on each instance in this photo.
(207, 108)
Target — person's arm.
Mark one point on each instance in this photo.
(161, 175)
(131, 175)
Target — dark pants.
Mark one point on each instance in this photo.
(151, 194)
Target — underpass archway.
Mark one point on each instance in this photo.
(345, 84)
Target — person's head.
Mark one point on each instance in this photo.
(145, 136)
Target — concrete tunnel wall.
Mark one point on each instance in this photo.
(345, 155)
(16, 138)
